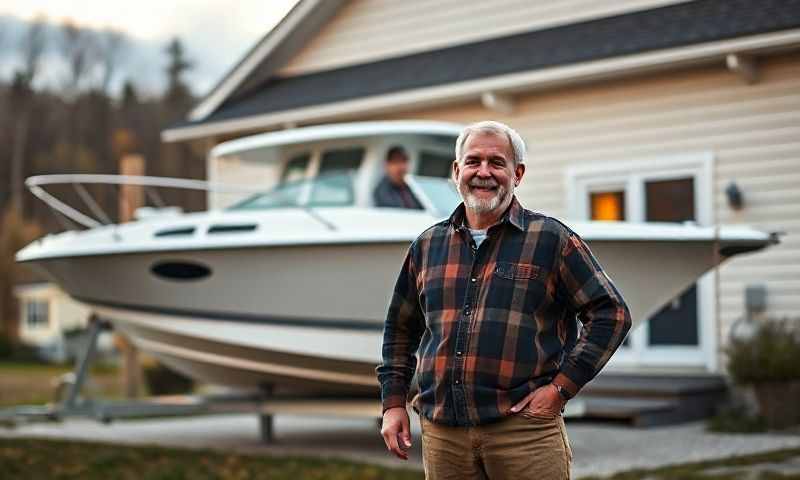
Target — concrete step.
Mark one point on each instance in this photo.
(649, 399)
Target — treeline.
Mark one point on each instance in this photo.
(80, 127)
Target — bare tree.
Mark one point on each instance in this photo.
(113, 46)
(32, 47)
(81, 54)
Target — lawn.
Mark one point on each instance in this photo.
(57, 459)
(32, 383)
(760, 466)
(61, 459)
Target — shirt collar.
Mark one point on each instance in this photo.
(514, 215)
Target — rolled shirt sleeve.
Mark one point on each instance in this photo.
(403, 328)
(599, 306)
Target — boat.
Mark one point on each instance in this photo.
(286, 278)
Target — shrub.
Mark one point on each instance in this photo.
(6, 347)
(772, 354)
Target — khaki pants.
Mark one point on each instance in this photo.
(520, 446)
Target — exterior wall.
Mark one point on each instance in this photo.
(64, 314)
(366, 30)
(752, 131)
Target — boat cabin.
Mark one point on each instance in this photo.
(331, 165)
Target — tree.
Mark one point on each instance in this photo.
(81, 54)
(33, 45)
(178, 97)
(15, 233)
(113, 45)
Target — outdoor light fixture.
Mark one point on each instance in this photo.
(735, 200)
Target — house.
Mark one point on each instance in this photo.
(53, 323)
(642, 110)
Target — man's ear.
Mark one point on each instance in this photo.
(455, 171)
(519, 170)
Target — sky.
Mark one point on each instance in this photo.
(216, 33)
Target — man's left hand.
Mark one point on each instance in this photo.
(544, 399)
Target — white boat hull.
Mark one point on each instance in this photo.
(312, 316)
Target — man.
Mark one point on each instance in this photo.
(392, 190)
(490, 296)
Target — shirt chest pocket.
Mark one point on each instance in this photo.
(519, 287)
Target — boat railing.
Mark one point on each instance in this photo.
(150, 185)
(437, 195)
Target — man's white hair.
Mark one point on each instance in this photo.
(496, 128)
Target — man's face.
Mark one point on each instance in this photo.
(397, 167)
(486, 174)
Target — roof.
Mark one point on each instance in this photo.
(660, 28)
(335, 131)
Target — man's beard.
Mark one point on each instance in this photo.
(484, 205)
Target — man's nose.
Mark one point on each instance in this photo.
(483, 170)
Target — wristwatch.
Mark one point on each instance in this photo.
(562, 391)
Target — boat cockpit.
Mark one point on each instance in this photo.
(344, 170)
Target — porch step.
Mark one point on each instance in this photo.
(652, 399)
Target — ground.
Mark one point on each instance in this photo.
(229, 446)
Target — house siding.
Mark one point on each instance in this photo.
(368, 30)
(752, 131)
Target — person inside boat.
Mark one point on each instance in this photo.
(392, 190)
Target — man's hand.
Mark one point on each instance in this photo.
(544, 399)
(396, 432)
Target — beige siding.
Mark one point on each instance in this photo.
(366, 30)
(753, 132)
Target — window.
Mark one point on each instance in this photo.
(295, 168)
(341, 160)
(607, 205)
(37, 313)
(334, 183)
(435, 164)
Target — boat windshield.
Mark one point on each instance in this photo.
(333, 190)
(438, 195)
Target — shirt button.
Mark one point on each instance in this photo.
(458, 353)
(458, 381)
(473, 279)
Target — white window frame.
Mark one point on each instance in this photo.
(631, 176)
(32, 311)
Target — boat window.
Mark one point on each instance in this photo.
(439, 193)
(296, 168)
(334, 183)
(327, 190)
(249, 227)
(435, 164)
(341, 160)
(175, 232)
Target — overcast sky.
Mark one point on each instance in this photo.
(215, 33)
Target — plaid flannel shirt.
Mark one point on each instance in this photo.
(496, 322)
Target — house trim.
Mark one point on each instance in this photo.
(266, 47)
(585, 72)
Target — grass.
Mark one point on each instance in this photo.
(59, 459)
(34, 383)
(62, 459)
(698, 470)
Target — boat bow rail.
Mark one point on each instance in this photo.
(148, 183)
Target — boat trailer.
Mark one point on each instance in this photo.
(262, 403)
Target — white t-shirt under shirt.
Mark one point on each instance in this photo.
(478, 235)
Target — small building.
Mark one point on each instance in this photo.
(640, 110)
(54, 323)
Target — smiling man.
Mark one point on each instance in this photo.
(490, 298)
